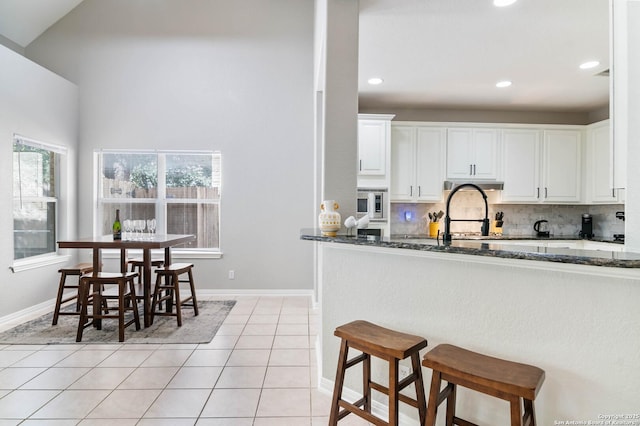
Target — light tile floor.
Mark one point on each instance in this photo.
(260, 369)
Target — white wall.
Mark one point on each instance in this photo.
(230, 76)
(37, 104)
(579, 323)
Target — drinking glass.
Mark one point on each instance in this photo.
(127, 229)
(139, 224)
(151, 226)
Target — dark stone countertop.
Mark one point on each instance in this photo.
(492, 247)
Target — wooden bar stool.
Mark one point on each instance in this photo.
(502, 379)
(389, 345)
(169, 291)
(77, 270)
(137, 264)
(125, 298)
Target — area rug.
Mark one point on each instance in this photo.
(195, 329)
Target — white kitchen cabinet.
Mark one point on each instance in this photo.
(373, 140)
(521, 167)
(541, 165)
(600, 165)
(472, 153)
(562, 157)
(417, 166)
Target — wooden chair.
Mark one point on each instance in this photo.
(511, 381)
(92, 286)
(169, 291)
(391, 346)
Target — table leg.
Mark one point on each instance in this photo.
(146, 258)
(123, 261)
(97, 261)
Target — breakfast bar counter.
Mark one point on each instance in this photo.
(555, 249)
(573, 312)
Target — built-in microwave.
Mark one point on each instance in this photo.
(371, 202)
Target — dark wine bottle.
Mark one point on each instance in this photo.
(117, 227)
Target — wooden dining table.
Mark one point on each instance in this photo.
(146, 244)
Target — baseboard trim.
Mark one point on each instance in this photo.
(254, 292)
(9, 321)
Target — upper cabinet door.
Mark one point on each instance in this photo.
(485, 153)
(429, 156)
(403, 163)
(459, 153)
(372, 147)
(600, 165)
(562, 159)
(417, 166)
(521, 165)
(472, 153)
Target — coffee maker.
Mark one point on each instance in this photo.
(587, 227)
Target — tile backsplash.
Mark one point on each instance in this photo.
(412, 218)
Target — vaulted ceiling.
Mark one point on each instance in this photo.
(446, 53)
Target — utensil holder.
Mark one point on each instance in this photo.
(433, 229)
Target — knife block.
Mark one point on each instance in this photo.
(496, 227)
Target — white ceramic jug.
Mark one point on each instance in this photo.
(329, 219)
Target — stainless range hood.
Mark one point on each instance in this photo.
(485, 185)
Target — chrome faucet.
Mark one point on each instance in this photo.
(446, 237)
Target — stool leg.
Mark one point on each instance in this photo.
(451, 403)
(434, 392)
(394, 394)
(56, 311)
(337, 388)
(154, 301)
(134, 304)
(419, 384)
(176, 291)
(529, 412)
(83, 308)
(366, 382)
(121, 290)
(193, 293)
(516, 411)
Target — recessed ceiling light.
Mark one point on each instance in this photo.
(588, 65)
(375, 81)
(504, 83)
(503, 3)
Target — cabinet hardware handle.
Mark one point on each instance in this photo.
(474, 169)
(360, 166)
(546, 195)
(470, 169)
(613, 192)
(538, 192)
(411, 191)
(419, 191)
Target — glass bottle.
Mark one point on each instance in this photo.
(117, 227)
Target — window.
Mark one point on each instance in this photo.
(35, 197)
(180, 189)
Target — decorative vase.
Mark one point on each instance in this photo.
(329, 219)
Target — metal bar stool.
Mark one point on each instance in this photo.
(511, 381)
(169, 292)
(125, 298)
(389, 345)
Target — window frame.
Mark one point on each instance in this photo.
(61, 159)
(160, 202)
